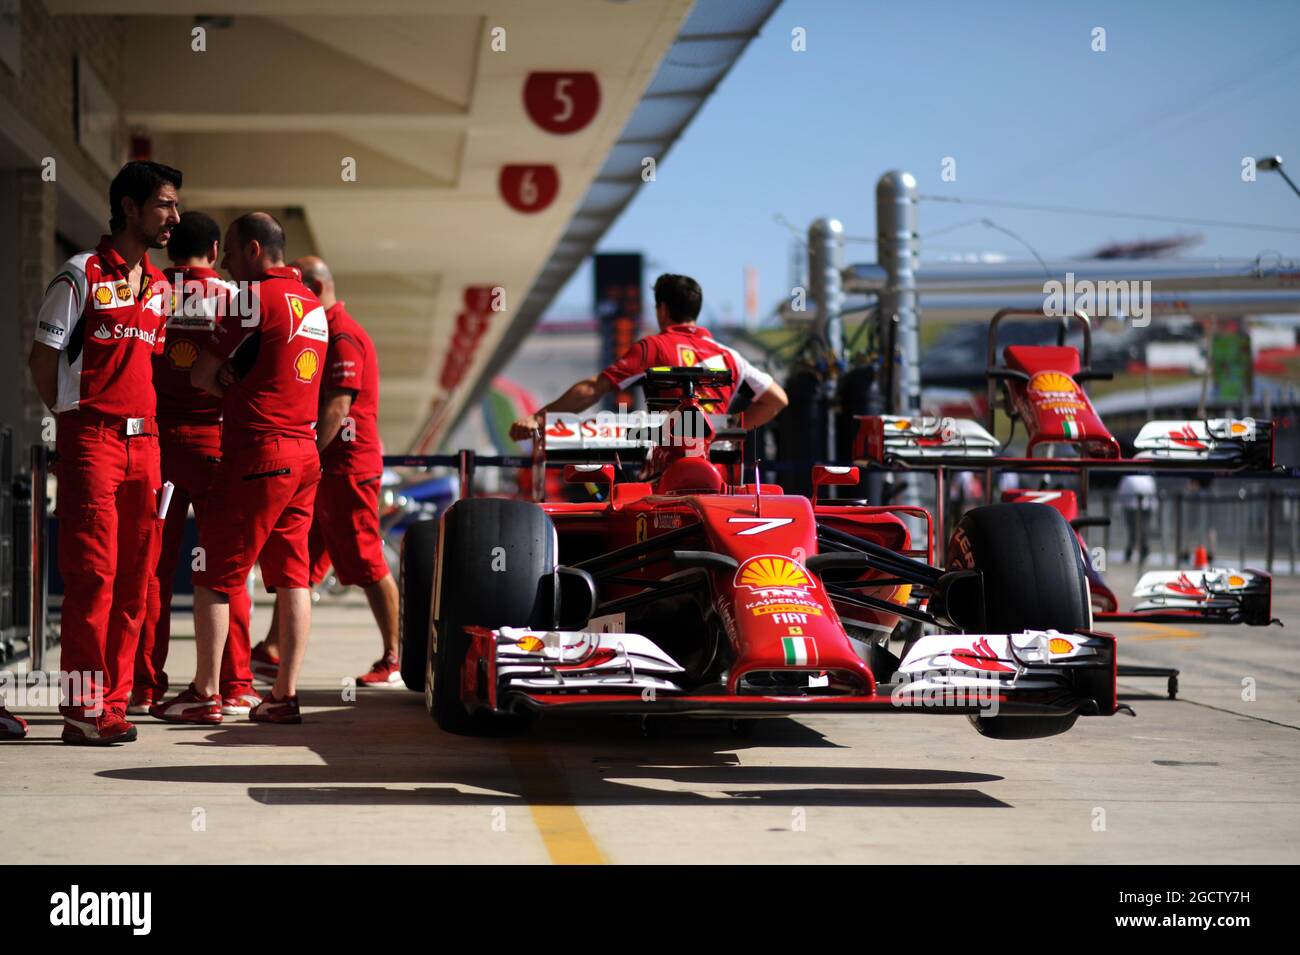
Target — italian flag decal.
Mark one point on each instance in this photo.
(799, 650)
(1071, 428)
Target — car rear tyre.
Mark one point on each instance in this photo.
(419, 554)
(1033, 580)
(494, 555)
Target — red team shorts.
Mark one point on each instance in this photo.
(260, 511)
(345, 530)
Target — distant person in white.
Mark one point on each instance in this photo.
(1137, 497)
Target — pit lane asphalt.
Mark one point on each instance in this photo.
(1208, 778)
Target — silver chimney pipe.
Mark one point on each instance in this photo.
(825, 271)
(897, 249)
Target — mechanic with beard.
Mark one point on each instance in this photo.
(680, 343)
(100, 325)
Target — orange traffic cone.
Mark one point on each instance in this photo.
(1202, 559)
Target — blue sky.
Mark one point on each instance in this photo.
(1158, 123)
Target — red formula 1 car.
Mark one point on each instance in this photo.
(1041, 388)
(689, 591)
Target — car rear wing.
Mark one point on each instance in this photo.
(889, 438)
(628, 436)
(1242, 441)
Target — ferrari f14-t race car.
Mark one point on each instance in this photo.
(695, 590)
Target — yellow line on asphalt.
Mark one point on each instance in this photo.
(567, 840)
(1164, 631)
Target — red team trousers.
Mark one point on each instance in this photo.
(191, 454)
(107, 505)
(260, 509)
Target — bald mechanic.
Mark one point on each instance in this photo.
(680, 342)
(97, 331)
(260, 502)
(189, 429)
(345, 528)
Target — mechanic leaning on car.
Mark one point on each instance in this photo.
(98, 328)
(681, 343)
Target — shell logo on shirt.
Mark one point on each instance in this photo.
(182, 354)
(112, 294)
(306, 365)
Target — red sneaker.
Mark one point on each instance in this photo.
(271, 710)
(188, 707)
(97, 730)
(239, 702)
(266, 668)
(142, 699)
(11, 727)
(384, 672)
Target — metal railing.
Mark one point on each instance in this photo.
(1246, 525)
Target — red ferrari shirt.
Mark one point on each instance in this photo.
(351, 364)
(200, 299)
(279, 354)
(107, 331)
(688, 346)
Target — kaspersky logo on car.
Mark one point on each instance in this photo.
(782, 590)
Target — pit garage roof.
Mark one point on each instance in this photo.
(422, 98)
(710, 42)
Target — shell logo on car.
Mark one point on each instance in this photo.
(1055, 391)
(306, 365)
(771, 572)
(530, 644)
(1052, 382)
